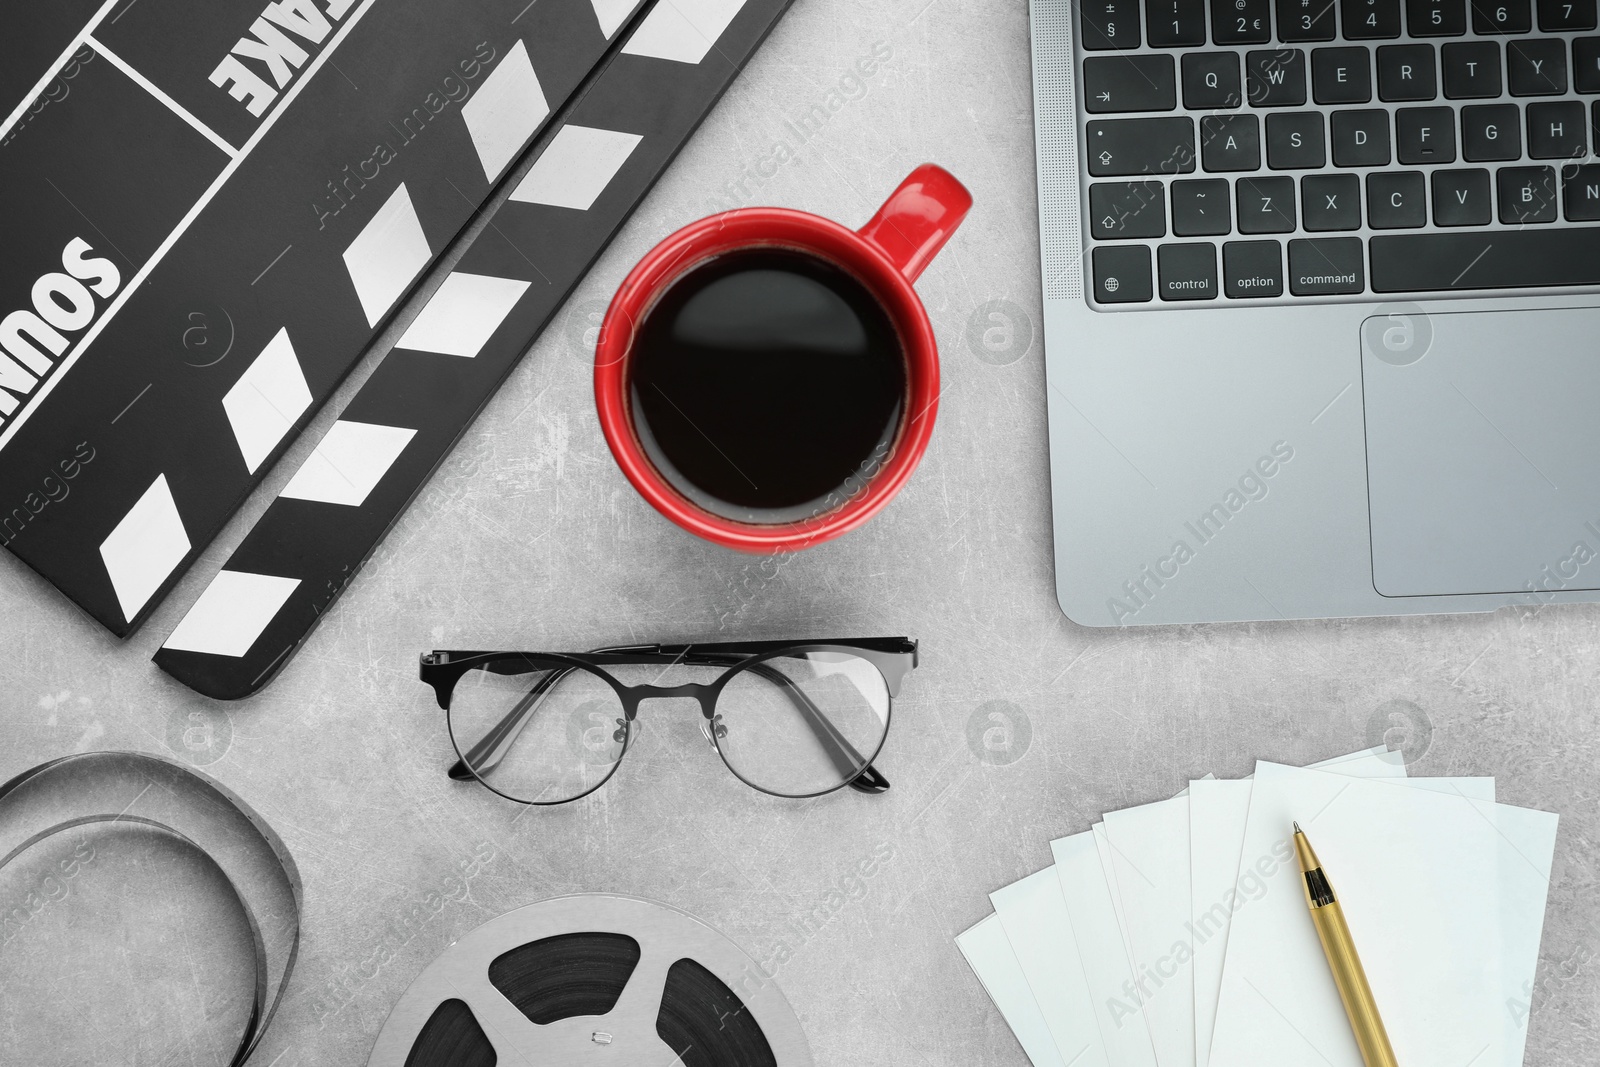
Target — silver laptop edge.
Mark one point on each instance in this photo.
(1216, 462)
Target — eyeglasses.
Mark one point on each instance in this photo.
(793, 720)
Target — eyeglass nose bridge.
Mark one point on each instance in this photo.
(705, 692)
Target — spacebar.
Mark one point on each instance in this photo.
(1492, 259)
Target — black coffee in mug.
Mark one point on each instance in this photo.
(764, 382)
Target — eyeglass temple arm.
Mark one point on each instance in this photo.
(895, 657)
(845, 756)
(493, 746)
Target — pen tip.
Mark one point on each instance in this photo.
(1297, 828)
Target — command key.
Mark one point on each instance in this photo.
(1326, 266)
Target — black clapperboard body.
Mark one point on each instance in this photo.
(225, 202)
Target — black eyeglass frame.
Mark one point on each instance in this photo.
(893, 657)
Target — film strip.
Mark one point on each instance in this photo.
(88, 792)
(593, 979)
(218, 210)
(590, 170)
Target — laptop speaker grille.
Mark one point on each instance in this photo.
(1056, 133)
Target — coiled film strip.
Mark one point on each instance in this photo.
(217, 205)
(593, 979)
(589, 171)
(99, 788)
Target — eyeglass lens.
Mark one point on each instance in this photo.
(803, 723)
(538, 732)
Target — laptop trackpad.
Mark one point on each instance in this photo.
(1483, 450)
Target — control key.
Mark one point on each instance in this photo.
(1188, 271)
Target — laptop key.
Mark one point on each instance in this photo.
(1586, 64)
(1200, 208)
(1558, 15)
(1461, 198)
(1305, 20)
(1175, 23)
(1502, 16)
(1129, 83)
(1527, 195)
(1230, 142)
(1556, 130)
(1360, 138)
(1397, 200)
(1276, 78)
(1407, 72)
(1491, 132)
(1436, 18)
(1211, 81)
(1122, 274)
(1425, 135)
(1341, 75)
(1118, 147)
(1252, 269)
(1537, 67)
(1187, 271)
(1471, 70)
(1580, 190)
(1110, 24)
(1492, 259)
(1265, 205)
(1326, 266)
(1370, 19)
(1331, 202)
(1241, 21)
(1127, 209)
(1295, 141)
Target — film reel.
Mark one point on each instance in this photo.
(592, 979)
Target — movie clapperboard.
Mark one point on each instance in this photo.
(219, 252)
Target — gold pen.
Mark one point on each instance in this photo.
(1326, 915)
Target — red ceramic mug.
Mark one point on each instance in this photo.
(886, 256)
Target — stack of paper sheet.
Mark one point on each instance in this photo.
(1176, 934)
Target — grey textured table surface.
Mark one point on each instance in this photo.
(1018, 727)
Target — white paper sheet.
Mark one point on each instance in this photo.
(1102, 847)
(1228, 893)
(989, 954)
(1217, 813)
(1033, 914)
(1124, 1036)
(1151, 897)
(1149, 850)
(1145, 854)
(1445, 898)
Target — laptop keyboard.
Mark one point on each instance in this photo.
(1284, 150)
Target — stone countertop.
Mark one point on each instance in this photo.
(1018, 727)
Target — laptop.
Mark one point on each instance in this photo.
(1322, 305)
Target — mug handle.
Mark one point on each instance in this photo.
(918, 218)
